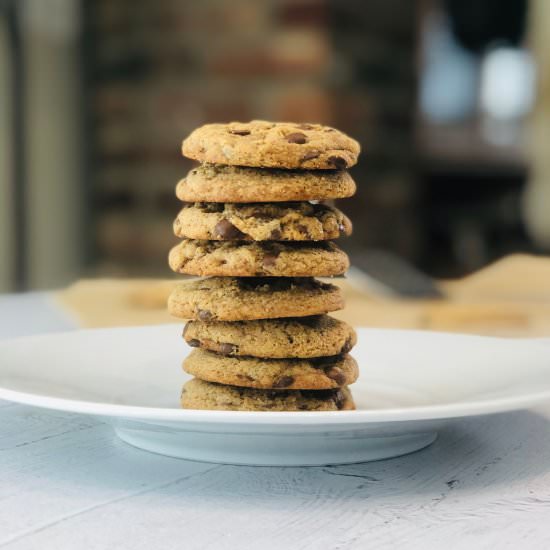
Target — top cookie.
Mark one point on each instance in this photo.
(272, 145)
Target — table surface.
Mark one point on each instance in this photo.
(66, 482)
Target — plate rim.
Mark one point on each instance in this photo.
(445, 411)
(190, 416)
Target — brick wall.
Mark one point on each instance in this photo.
(374, 44)
(161, 68)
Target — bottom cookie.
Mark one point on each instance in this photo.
(198, 394)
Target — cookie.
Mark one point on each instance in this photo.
(320, 373)
(301, 337)
(285, 221)
(219, 183)
(241, 259)
(272, 145)
(234, 299)
(198, 394)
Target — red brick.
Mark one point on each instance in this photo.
(303, 13)
(114, 101)
(207, 17)
(290, 52)
(302, 104)
(134, 237)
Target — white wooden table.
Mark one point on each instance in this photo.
(66, 482)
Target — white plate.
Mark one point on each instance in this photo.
(411, 382)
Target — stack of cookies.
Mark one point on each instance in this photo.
(253, 225)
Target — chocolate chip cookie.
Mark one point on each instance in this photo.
(236, 299)
(242, 259)
(301, 337)
(285, 221)
(198, 394)
(219, 183)
(320, 373)
(272, 145)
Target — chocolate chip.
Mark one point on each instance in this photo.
(303, 229)
(227, 231)
(205, 315)
(194, 343)
(240, 132)
(336, 374)
(227, 349)
(347, 346)
(297, 137)
(305, 126)
(185, 329)
(270, 258)
(275, 235)
(339, 400)
(245, 377)
(338, 162)
(284, 382)
(341, 229)
(309, 156)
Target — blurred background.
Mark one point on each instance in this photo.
(450, 100)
